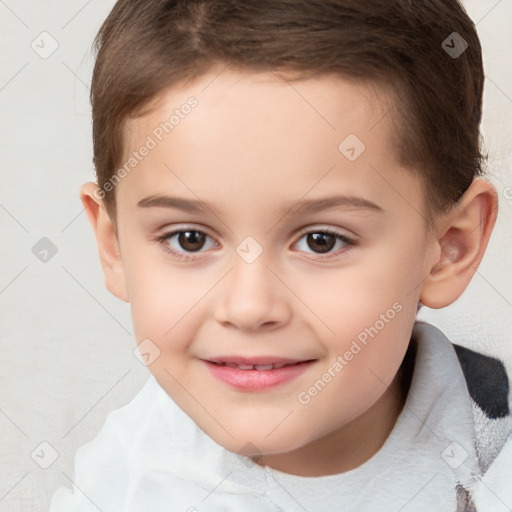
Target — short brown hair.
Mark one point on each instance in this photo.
(147, 46)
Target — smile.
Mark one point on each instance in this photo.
(259, 367)
(256, 376)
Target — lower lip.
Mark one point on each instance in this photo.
(256, 380)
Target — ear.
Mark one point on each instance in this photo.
(462, 239)
(106, 239)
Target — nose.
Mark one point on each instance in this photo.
(252, 297)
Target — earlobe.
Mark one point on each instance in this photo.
(106, 239)
(462, 241)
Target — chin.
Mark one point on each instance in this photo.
(255, 444)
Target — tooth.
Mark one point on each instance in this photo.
(263, 367)
(231, 365)
(245, 366)
(278, 365)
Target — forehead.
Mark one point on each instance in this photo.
(327, 104)
(260, 134)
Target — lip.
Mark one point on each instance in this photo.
(256, 360)
(252, 379)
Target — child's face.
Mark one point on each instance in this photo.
(254, 148)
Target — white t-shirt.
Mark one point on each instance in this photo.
(151, 457)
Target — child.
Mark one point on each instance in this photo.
(324, 158)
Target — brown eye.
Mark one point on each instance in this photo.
(324, 241)
(191, 240)
(321, 242)
(183, 243)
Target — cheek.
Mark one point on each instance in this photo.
(162, 298)
(165, 309)
(365, 315)
(344, 302)
(362, 361)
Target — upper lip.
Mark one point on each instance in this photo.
(256, 360)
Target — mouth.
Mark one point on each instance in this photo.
(257, 373)
(259, 367)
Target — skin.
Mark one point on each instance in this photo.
(252, 148)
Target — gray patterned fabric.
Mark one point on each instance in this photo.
(488, 387)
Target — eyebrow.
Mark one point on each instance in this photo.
(301, 207)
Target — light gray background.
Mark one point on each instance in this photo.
(66, 343)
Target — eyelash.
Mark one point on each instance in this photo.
(349, 242)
